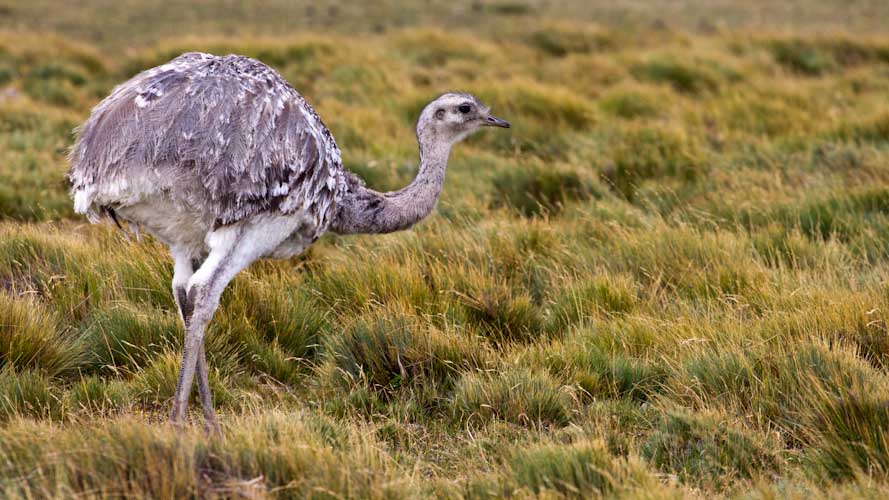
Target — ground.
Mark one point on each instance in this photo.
(668, 279)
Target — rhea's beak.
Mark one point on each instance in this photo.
(493, 121)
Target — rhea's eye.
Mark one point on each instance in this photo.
(464, 108)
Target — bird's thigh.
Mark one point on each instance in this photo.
(232, 249)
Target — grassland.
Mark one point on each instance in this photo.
(668, 279)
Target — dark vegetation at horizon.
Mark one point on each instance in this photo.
(667, 279)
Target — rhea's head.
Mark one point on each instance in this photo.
(453, 116)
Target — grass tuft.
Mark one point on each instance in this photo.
(813, 57)
(873, 129)
(501, 314)
(592, 298)
(560, 41)
(541, 190)
(682, 76)
(598, 371)
(129, 338)
(27, 394)
(578, 470)
(93, 395)
(633, 102)
(515, 395)
(649, 153)
(700, 449)
(32, 338)
(393, 351)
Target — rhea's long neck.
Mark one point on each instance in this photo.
(364, 210)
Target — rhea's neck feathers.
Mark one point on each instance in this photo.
(363, 210)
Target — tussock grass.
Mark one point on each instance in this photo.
(262, 455)
(93, 395)
(645, 153)
(682, 76)
(600, 370)
(578, 470)
(500, 314)
(288, 320)
(814, 57)
(126, 338)
(788, 390)
(390, 351)
(701, 448)
(29, 394)
(634, 101)
(667, 279)
(592, 298)
(515, 395)
(874, 129)
(548, 105)
(562, 40)
(536, 190)
(31, 337)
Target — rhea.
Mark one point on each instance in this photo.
(225, 163)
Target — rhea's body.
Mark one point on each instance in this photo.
(204, 142)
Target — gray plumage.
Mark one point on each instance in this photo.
(226, 134)
(222, 160)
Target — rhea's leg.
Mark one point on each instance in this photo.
(232, 248)
(182, 271)
(204, 290)
(203, 377)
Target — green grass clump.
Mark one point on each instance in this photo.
(701, 264)
(388, 352)
(684, 77)
(126, 338)
(6, 74)
(645, 153)
(561, 41)
(541, 105)
(703, 449)
(507, 8)
(500, 314)
(436, 48)
(873, 129)
(592, 298)
(792, 391)
(94, 395)
(27, 394)
(818, 56)
(597, 370)
(801, 57)
(540, 190)
(346, 286)
(31, 337)
(633, 102)
(515, 395)
(578, 470)
(853, 440)
(155, 384)
(852, 216)
(290, 318)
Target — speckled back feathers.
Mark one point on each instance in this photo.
(224, 136)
